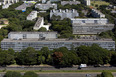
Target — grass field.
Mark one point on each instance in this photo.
(98, 3)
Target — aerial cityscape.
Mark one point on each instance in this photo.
(57, 38)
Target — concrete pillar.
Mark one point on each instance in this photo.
(4, 2)
(13, 1)
(8, 1)
(16, 1)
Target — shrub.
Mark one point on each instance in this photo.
(30, 74)
(106, 74)
(12, 74)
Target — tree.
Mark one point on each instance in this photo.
(114, 30)
(57, 58)
(6, 58)
(93, 54)
(1, 38)
(106, 74)
(45, 52)
(64, 58)
(27, 56)
(55, 17)
(12, 74)
(113, 58)
(30, 74)
(42, 29)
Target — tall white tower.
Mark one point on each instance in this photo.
(88, 2)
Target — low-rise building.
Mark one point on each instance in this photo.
(46, 6)
(87, 2)
(54, 0)
(70, 2)
(32, 35)
(32, 15)
(113, 11)
(40, 23)
(64, 13)
(4, 2)
(25, 5)
(6, 6)
(97, 14)
(19, 45)
(0, 3)
(90, 26)
(44, 1)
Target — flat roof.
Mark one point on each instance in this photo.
(92, 24)
(89, 19)
(58, 40)
(30, 32)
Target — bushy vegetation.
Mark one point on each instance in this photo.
(105, 74)
(12, 74)
(109, 33)
(30, 74)
(17, 20)
(61, 57)
(18, 74)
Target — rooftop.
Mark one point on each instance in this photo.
(58, 40)
(32, 13)
(89, 19)
(29, 32)
(92, 24)
(96, 11)
(38, 23)
(64, 11)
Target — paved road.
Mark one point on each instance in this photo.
(66, 74)
(93, 74)
(52, 68)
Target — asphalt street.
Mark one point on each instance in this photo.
(81, 74)
(53, 68)
(65, 74)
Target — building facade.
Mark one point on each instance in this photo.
(32, 15)
(97, 14)
(25, 5)
(90, 26)
(19, 45)
(64, 13)
(70, 2)
(32, 35)
(9, 1)
(54, 0)
(46, 6)
(87, 2)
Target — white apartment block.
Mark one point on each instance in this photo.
(87, 2)
(0, 3)
(97, 14)
(46, 6)
(9, 1)
(64, 13)
(70, 2)
(5, 6)
(32, 15)
(43, 1)
(40, 23)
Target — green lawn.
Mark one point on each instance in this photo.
(98, 3)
